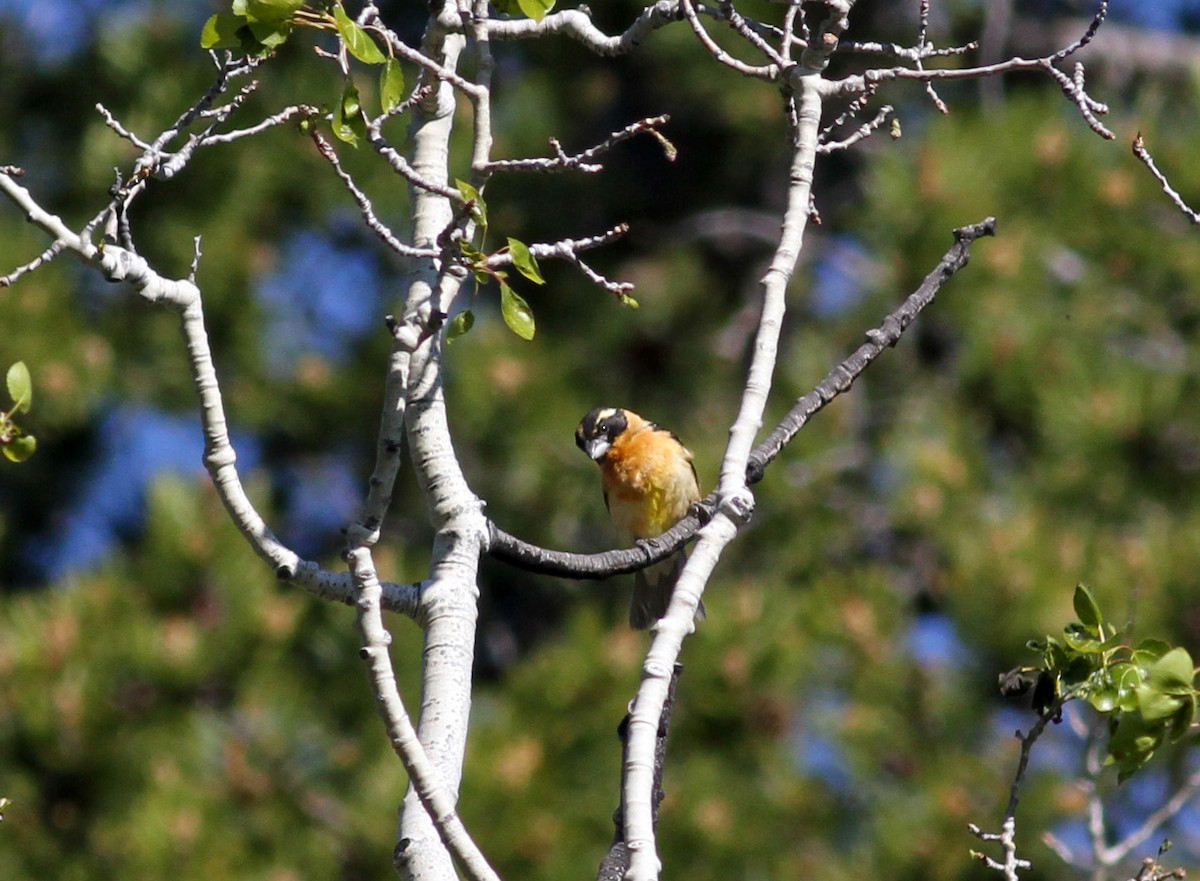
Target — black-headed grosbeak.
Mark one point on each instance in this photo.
(649, 485)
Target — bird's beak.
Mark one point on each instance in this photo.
(596, 448)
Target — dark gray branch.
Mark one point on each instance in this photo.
(523, 555)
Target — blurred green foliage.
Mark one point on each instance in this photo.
(177, 711)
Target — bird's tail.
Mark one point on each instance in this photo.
(652, 588)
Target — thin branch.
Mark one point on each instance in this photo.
(1140, 151)
(581, 161)
(1007, 836)
(735, 502)
(887, 334)
(400, 165)
(1166, 812)
(1008, 846)
(908, 53)
(1073, 87)
(365, 208)
(922, 42)
(765, 72)
(302, 111)
(45, 257)
(569, 250)
(726, 11)
(861, 133)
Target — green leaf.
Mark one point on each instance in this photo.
(471, 252)
(1173, 673)
(348, 121)
(1081, 638)
(273, 12)
(1126, 677)
(20, 387)
(1131, 743)
(21, 448)
(1104, 699)
(358, 42)
(524, 261)
(1086, 608)
(459, 325)
(267, 36)
(479, 209)
(1155, 705)
(1181, 723)
(1148, 651)
(221, 31)
(629, 301)
(535, 9)
(517, 314)
(391, 85)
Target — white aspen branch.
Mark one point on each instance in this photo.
(434, 797)
(1072, 86)
(400, 165)
(45, 257)
(1105, 855)
(220, 458)
(448, 604)
(735, 501)
(577, 24)
(1006, 838)
(481, 147)
(275, 119)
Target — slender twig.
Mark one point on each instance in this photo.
(46, 256)
(725, 10)
(582, 161)
(765, 72)
(1072, 86)
(908, 53)
(1007, 836)
(1140, 151)
(922, 43)
(569, 250)
(861, 133)
(365, 208)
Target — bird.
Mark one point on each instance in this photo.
(649, 485)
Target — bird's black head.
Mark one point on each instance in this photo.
(599, 429)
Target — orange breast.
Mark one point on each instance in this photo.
(649, 483)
